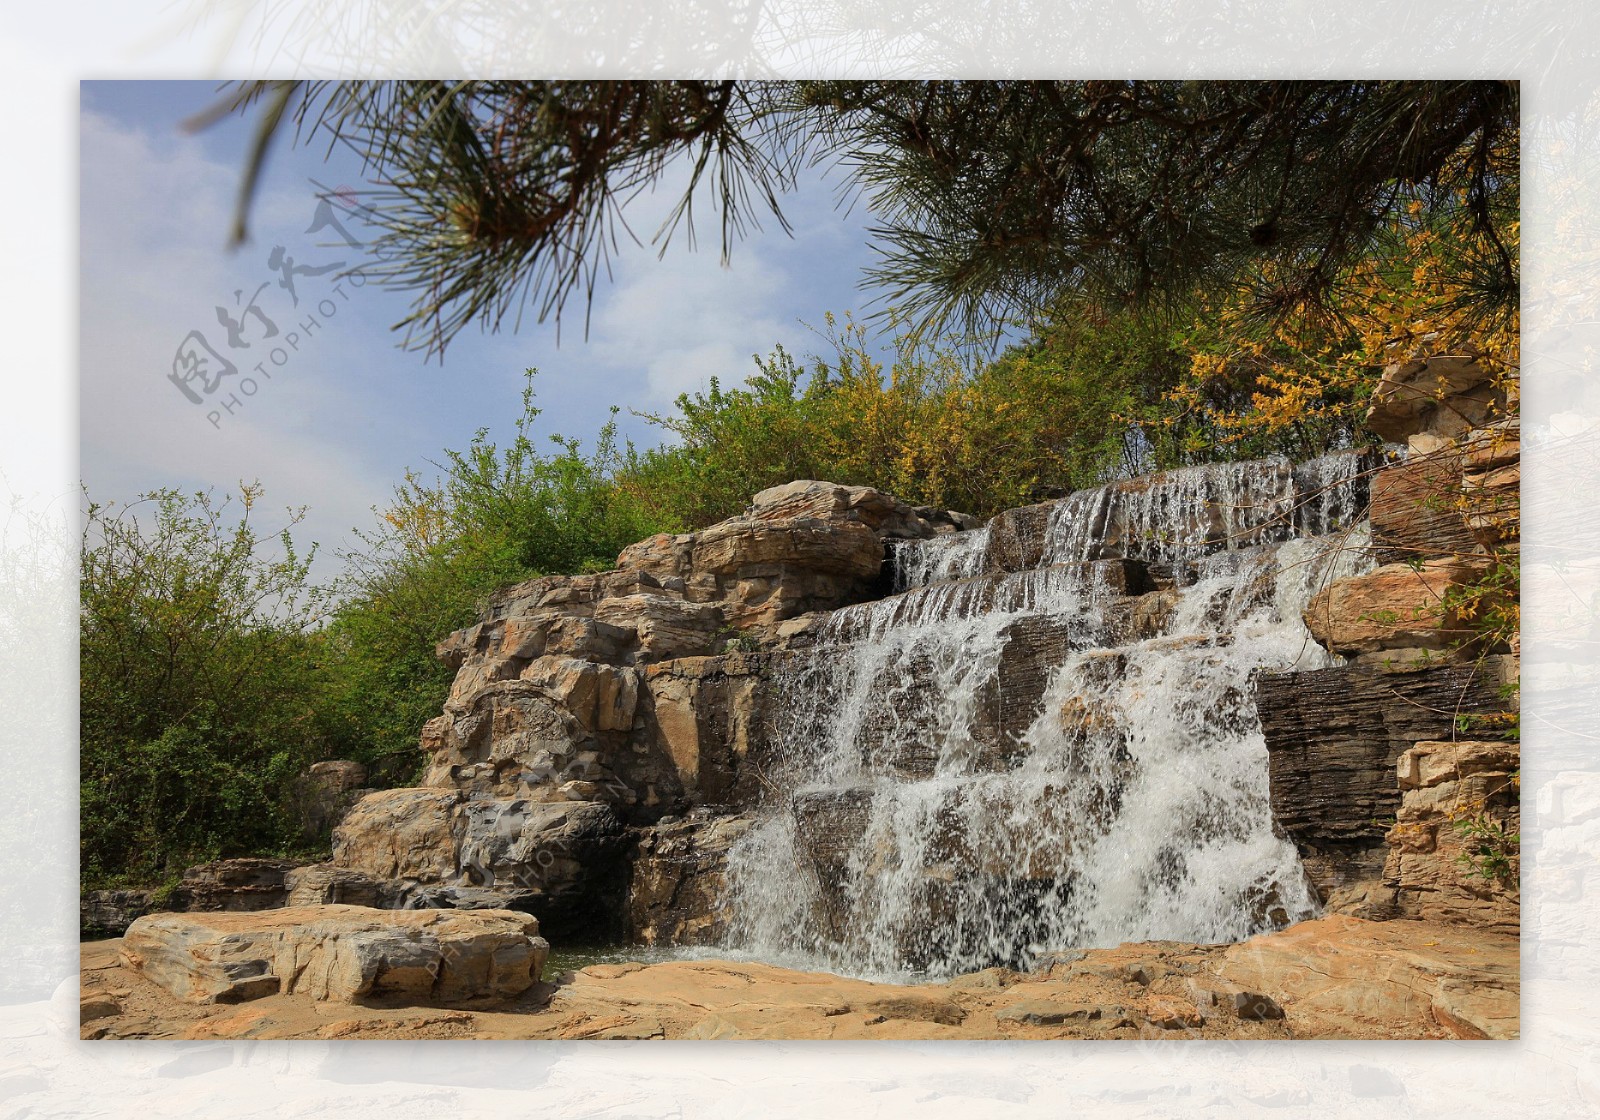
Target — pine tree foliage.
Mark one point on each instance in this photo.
(499, 198)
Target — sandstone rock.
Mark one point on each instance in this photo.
(1416, 510)
(325, 793)
(322, 883)
(711, 717)
(1442, 394)
(1334, 737)
(94, 1004)
(530, 738)
(1330, 978)
(1434, 763)
(1454, 856)
(567, 852)
(340, 953)
(410, 834)
(1049, 1013)
(1172, 1014)
(761, 572)
(1252, 1005)
(1373, 976)
(233, 884)
(886, 516)
(1368, 899)
(1393, 607)
(1491, 483)
(918, 1008)
(666, 627)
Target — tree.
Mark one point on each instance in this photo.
(991, 197)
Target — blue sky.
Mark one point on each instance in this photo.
(346, 411)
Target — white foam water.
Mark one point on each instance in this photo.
(906, 836)
(937, 559)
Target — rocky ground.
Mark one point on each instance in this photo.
(1338, 977)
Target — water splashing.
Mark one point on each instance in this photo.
(988, 766)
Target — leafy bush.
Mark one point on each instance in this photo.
(937, 428)
(201, 686)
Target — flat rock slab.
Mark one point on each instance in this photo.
(1337, 977)
(346, 954)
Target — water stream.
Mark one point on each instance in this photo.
(987, 766)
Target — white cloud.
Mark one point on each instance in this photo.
(153, 212)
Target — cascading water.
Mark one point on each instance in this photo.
(988, 766)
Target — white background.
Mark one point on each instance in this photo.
(45, 1071)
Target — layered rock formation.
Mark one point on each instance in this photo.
(1396, 774)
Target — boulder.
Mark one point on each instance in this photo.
(664, 627)
(1396, 606)
(409, 834)
(1441, 394)
(345, 954)
(887, 517)
(321, 883)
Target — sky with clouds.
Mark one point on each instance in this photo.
(334, 422)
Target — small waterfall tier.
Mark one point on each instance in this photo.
(1046, 738)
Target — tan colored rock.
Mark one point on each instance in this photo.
(247, 883)
(1440, 394)
(1173, 1014)
(666, 627)
(847, 549)
(1369, 978)
(339, 953)
(884, 515)
(1331, 978)
(1454, 856)
(401, 834)
(96, 1004)
(710, 716)
(1416, 509)
(1393, 607)
(1433, 763)
(1491, 484)
(321, 883)
(918, 1007)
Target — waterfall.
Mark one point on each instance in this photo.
(988, 766)
(952, 556)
